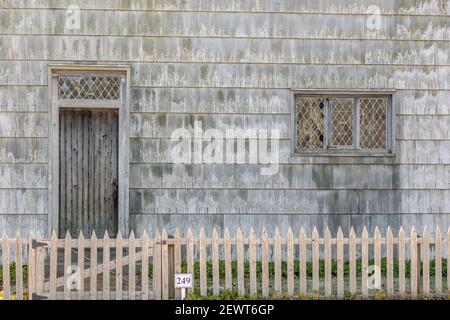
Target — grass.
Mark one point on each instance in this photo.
(12, 274)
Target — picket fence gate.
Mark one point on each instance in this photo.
(245, 262)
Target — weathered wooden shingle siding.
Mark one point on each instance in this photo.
(233, 63)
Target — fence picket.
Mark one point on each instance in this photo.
(302, 262)
(315, 260)
(5, 262)
(67, 265)
(203, 274)
(340, 263)
(190, 255)
(290, 262)
(327, 254)
(438, 261)
(132, 266)
(265, 263)
(215, 261)
(414, 259)
(53, 264)
(106, 266)
(252, 262)
(164, 266)
(277, 261)
(177, 257)
(377, 248)
(40, 275)
(19, 269)
(177, 251)
(448, 259)
(227, 254)
(364, 262)
(80, 257)
(93, 265)
(31, 267)
(144, 267)
(119, 266)
(352, 260)
(401, 262)
(426, 262)
(240, 261)
(389, 263)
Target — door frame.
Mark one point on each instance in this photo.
(53, 138)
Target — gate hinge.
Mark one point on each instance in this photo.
(36, 244)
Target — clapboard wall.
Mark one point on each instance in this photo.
(234, 63)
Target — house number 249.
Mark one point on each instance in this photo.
(183, 281)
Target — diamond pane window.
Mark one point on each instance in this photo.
(342, 122)
(89, 88)
(310, 123)
(373, 123)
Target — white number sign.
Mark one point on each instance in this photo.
(183, 280)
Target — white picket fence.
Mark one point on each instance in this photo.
(119, 268)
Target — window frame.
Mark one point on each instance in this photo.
(355, 150)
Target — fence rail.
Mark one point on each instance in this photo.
(298, 266)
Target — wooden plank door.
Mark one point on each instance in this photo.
(88, 171)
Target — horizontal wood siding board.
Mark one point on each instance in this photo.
(320, 7)
(173, 23)
(336, 202)
(290, 176)
(227, 50)
(159, 151)
(257, 75)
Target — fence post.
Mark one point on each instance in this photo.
(252, 262)
(414, 263)
(190, 256)
(164, 266)
(53, 265)
(364, 262)
(215, 261)
(240, 261)
(264, 264)
(419, 263)
(31, 268)
(352, 260)
(302, 261)
(315, 261)
(19, 270)
(171, 267)
(389, 263)
(438, 261)
(290, 262)
(157, 266)
(340, 263)
(67, 263)
(202, 262)
(144, 268)
(425, 263)
(227, 256)
(81, 264)
(5, 262)
(327, 256)
(401, 262)
(277, 261)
